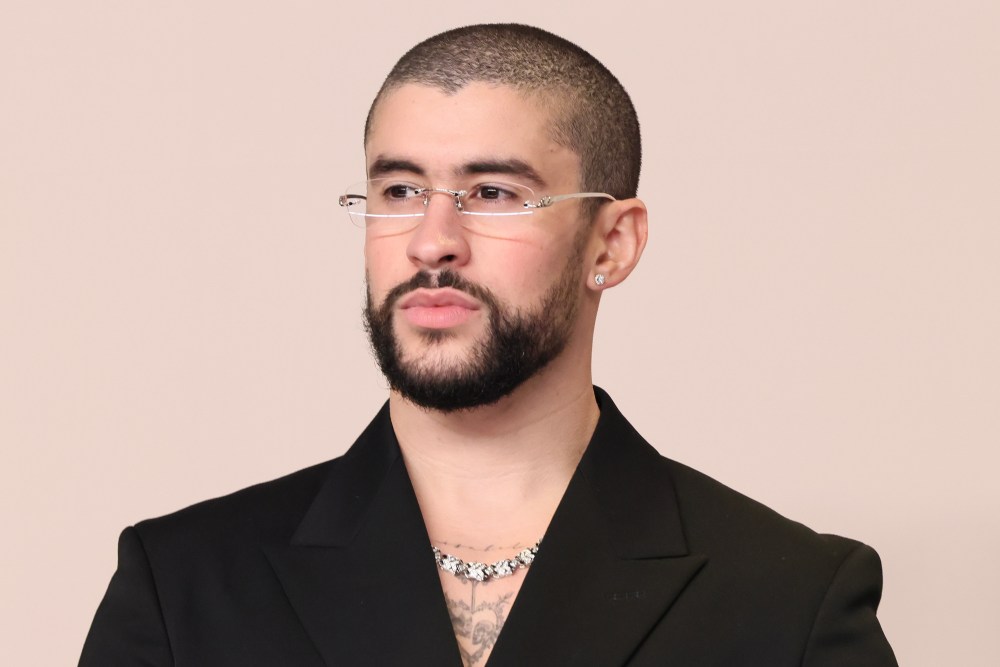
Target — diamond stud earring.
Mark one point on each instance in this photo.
(599, 279)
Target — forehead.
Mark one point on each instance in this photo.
(442, 131)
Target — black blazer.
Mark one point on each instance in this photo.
(646, 562)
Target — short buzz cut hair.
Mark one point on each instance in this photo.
(592, 114)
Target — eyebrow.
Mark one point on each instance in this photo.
(384, 165)
(512, 167)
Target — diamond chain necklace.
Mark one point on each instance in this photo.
(475, 571)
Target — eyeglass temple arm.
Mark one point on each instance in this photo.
(549, 200)
(345, 200)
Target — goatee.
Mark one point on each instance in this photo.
(516, 345)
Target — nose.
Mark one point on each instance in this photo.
(440, 238)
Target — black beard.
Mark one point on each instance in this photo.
(516, 346)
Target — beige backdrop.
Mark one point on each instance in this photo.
(815, 321)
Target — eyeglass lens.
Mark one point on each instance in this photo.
(393, 198)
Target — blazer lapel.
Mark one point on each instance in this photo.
(358, 571)
(612, 561)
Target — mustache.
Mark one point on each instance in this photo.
(446, 278)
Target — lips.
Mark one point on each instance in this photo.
(437, 308)
(438, 298)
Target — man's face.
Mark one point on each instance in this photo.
(461, 314)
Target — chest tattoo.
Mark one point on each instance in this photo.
(477, 620)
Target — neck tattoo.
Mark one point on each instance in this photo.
(483, 572)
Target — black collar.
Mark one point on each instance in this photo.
(360, 574)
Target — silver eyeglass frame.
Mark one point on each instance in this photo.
(549, 200)
(542, 202)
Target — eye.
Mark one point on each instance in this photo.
(400, 191)
(496, 193)
(490, 192)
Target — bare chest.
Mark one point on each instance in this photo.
(478, 611)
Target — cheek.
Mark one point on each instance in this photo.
(382, 266)
(517, 271)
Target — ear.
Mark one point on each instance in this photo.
(619, 237)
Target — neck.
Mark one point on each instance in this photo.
(495, 474)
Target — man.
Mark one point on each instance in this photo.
(499, 508)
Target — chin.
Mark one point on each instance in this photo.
(442, 359)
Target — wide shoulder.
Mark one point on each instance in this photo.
(265, 512)
(699, 514)
(273, 512)
(730, 525)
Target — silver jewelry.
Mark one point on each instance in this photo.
(599, 279)
(474, 571)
